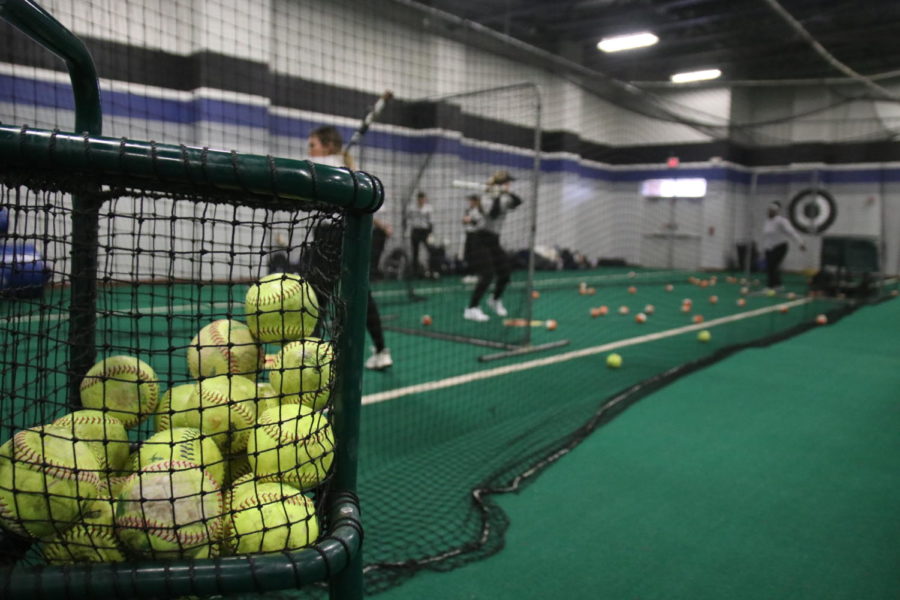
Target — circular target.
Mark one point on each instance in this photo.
(812, 211)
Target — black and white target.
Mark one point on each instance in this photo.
(812, 211)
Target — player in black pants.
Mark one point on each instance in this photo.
(489, 259)
(325, 147)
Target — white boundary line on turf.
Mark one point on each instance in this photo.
(538, 284)
(567, 356)
(143, 311)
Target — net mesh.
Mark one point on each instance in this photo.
(621, 230)
(203, 428)
(461, 240)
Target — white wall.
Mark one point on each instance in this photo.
(369, 46)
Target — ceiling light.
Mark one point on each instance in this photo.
(627, 42)
(696, 76)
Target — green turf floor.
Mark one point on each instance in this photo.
(773, 474)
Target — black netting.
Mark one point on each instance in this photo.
(202, 426)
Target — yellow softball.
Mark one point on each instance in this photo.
(93, 539)
(162, 418)
(281, 307)
(222, 347)
(301, 372)
(266, 397)
(272, 517)
(222, 408)
(182, 444)
(45, 481)
(293, 442)
(170, 509)
(125, 386)
(102, 432)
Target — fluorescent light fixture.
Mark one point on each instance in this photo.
(674, 188)
(627, 42)
(696, 76)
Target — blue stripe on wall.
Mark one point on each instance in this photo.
(20, 90)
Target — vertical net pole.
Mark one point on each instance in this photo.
(38, 24)
(748, 249)
(532, 234)
(357, 243)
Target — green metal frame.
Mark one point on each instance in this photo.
(40, 25)
(336, 557)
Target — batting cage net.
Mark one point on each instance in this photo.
(466, 211)
(629, 217)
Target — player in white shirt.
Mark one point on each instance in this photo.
(420, 226)
(777, 232)
(489, 258)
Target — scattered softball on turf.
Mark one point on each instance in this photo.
(535, 294)
(603, 310)
(631, 274)
(704, 336)
(745, 290)
(426, 320)
(821, 319)
(623, 310)
(613, 361)
(713, 299)
(125, 386)
(791, 295)
(698, 318)
(670, 287)
(281, 307)
(741, 302)
(551, 325)
(649, 309)
(686, 308)
(783, 309)
(640, 318)
(222, 347)
(632, 290)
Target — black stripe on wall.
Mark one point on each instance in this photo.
(207, 69)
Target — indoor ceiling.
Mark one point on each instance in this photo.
(745, 39)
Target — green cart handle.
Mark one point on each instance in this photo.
(39, 25)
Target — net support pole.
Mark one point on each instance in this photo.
(39, 25)
(532, 226)
(354, 292)
(748, 251)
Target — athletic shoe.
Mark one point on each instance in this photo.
(379, 360)
(474, 313)
(496, 305)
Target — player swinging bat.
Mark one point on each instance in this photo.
(369, 119)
